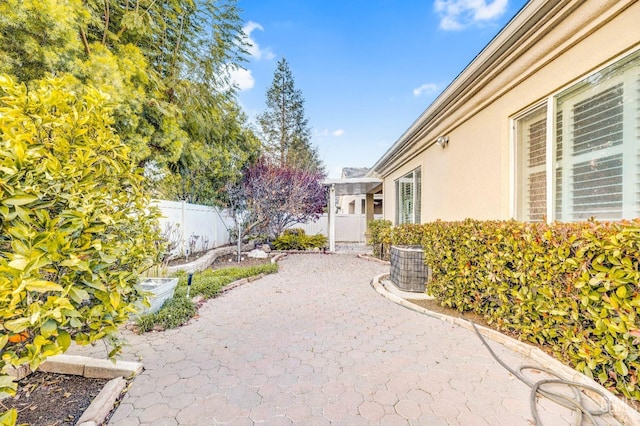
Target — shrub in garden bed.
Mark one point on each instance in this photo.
(207, 284)
(379, 234)
(572, 288)
(296, 239)
(76, 227)
(384, 235)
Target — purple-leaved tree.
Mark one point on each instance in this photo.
(281, 196)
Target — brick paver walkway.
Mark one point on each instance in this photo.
(315, 344)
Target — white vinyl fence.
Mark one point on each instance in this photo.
(206, 226)
(350, 228)
(209, 226)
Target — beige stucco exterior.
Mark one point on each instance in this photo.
(548, 46)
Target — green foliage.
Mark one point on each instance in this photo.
(285, 129)
(174, 312)
(9, 418)
(207, 284)
(379, 231)
(75, 223)
(384, 235)
(39, 36)
(296, 239)
(573, 288)
(221, 146)
(165, 67)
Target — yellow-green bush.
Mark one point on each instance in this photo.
(297, 239)
(572, 288)
(379, 237)
(75, 224)
(383, 235)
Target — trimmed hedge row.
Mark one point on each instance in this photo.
(572, 288)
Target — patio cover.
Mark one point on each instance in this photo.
(347, 186)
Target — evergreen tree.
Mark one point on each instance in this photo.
(285, 129)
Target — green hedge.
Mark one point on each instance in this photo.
(572, 288)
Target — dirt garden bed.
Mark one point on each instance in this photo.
(48, 399)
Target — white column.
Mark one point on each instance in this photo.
(332, 218)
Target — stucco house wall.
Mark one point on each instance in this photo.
(546, 48)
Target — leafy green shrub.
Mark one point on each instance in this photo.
(296, 239)
(294, 231)
(379, 234)
(179, 309)
(75, 223)
(384, 235)
(174, 312)
(573, 288)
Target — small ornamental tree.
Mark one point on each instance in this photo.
(75, 226)
(245, 221)
(281, 196)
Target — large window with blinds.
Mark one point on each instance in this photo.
(594, 142)
(408, 189)
(532, 170)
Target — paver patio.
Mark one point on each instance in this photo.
(315, 344)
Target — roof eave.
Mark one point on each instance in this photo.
(529, 16)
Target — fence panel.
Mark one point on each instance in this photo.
(349, 227)
(204, 224)
(212, 226)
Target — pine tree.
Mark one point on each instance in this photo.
(285, 129)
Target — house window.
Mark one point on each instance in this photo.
(532, 169)
(595, 145)
(408, 189)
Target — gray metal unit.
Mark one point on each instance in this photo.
(408, 271)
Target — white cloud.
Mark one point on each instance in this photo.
(252, 46)
(241, 78)
(459, 14)
(427, 88)
(326, 132)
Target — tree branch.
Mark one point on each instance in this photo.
(85, 42)
(106, 21)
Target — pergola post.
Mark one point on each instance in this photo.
(332, 218)
(368, 211)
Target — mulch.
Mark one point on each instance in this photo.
(51, 399)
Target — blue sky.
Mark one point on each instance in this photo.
(366, 68)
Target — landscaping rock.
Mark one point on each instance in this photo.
(266, 248)
(258, 254)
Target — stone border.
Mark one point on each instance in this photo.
(243, 281)
(371, 258)
(101, 406)
(119, 373)
(619, 409)
(104, 402)
(207, 259)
